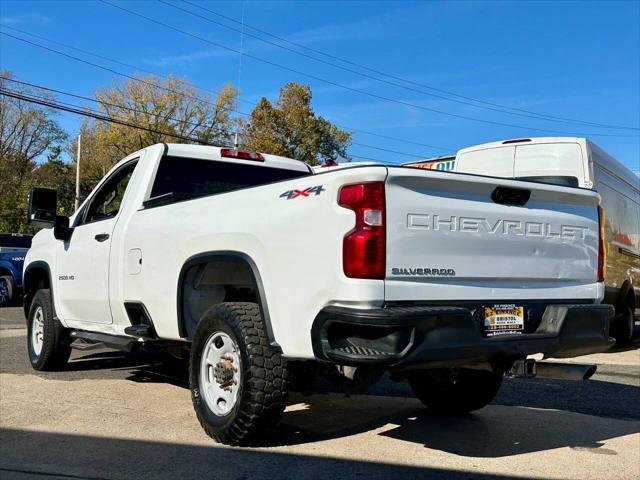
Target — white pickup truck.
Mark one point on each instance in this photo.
(263, 272)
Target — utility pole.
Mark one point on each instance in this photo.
(78, 172)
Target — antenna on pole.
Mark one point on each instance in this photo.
(236, 136)
(77, 199)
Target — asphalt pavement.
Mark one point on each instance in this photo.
(113, 415)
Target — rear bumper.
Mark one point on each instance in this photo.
(399, 337)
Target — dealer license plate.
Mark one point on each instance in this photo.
(503, 319)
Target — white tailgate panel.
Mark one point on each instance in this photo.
(484, 250)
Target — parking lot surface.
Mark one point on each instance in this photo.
(113, 415)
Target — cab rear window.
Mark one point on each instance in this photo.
(180, 178)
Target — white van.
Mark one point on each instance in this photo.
(579, 162)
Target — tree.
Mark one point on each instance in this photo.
(28, 132)
(170, 107)
(292, 129)
(60, 175)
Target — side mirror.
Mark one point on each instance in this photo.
(43, 203)
(61, 229)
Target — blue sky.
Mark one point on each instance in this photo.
(576, 60)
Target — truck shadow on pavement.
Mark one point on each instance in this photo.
(493, 432)
(31, 454)
(141, 366)
(503, 429)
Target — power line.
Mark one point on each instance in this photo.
(115, 105)
(388, 75)
(467, 100)
(388, 150)
(102, 67)
(346, 87)
(88, 113)
(130, 77)
(76, 110)
(388, 137)
(369, 159)
(97, 55)
(86, 52)
(102, 102)
(151, 72)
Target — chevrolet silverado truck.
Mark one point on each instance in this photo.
(263, 273)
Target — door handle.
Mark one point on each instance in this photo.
(101, 237)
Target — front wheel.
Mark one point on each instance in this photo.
(455, 391)
(238, 384)
(48, 342)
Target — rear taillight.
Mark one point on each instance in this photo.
(241, 154)
(363, 248)
(602, 251)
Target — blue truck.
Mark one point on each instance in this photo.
(13, 248)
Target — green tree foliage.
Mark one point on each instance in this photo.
(28, 134)
(33, 147)
(292, 129)
(171, 106)
(60, 175)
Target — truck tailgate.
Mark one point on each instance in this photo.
(447, 239)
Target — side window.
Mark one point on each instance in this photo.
(106, 202)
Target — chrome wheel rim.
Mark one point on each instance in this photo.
(220, 372)
(37, 331)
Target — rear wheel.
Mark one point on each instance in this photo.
(48, 342)
(455, 391)
(623, 325)
(238, 384)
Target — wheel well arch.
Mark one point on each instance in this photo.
(4, 271)
(37, 275)
(214, 277)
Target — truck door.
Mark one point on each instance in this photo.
(82, 286)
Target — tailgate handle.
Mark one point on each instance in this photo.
(510, 196)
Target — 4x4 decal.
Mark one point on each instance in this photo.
(291, 194)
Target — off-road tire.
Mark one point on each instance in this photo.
(264, 377)
(7, 280)
(455, 392)
(56, 343)
(623, 325)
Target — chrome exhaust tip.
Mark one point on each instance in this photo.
(565, 371)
